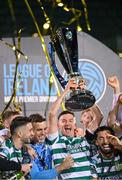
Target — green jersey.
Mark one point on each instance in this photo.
(9, 152)
(109, 168)
(79, 150)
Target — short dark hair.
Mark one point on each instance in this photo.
(18, 122)
(65, 112)
(34, 118)
(103, 128)
(7, 114)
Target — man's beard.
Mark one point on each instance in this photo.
(106, 151)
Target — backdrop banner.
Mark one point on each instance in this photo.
(96, 63)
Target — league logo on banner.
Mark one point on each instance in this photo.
(94, 76)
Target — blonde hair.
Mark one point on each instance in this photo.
(91, 113)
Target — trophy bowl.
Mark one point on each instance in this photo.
(79, 99)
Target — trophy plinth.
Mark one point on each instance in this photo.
(66, 47)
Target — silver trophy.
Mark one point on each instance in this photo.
(65, 44)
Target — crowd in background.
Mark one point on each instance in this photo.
(55, 148)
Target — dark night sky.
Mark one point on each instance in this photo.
(105, 18)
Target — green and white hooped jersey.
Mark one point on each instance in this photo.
(79, 149)
(108, 169)
(9, 152)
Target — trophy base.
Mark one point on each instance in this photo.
(79, 101)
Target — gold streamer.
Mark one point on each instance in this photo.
(12, 98)
(86, 14)
(14, 49)
(42, 8)
(77, 13)
(19, 38)
(43, 47)
(17, 105)
(17, 63)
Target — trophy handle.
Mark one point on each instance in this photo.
(60, 51)
(61, 80)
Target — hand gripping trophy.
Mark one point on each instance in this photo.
(64, 42)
